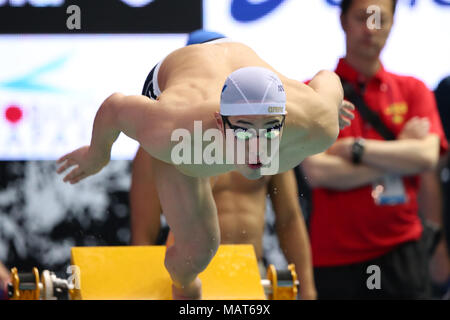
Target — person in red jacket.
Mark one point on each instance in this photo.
(365, 228)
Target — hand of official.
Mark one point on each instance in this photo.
(346, 114)
(415, 128)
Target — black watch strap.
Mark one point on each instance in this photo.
(357, 151)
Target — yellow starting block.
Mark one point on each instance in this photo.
(136, 273)
(139, 273)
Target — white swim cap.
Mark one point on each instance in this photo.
(252, 91)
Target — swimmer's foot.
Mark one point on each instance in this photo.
(189, 292)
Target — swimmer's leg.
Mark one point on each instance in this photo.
(191, 213)
(145, 208)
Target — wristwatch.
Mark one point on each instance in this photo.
(358, 150)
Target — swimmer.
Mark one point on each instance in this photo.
(226, 86)
(241, 207)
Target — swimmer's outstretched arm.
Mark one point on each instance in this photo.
(328, 85)
(328, 88)
(136, 116)
(314, 117)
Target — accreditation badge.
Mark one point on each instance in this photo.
(389, 191)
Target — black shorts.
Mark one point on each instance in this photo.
(149, 87)
(403, 275)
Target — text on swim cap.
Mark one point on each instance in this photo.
(275, 109)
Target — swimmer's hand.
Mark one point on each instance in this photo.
(346, 114)
(87, 163)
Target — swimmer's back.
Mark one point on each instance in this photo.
(204, 68)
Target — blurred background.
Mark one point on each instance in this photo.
(53, 79)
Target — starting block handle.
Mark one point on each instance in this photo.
(281, 285)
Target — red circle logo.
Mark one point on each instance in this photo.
(13, 114)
